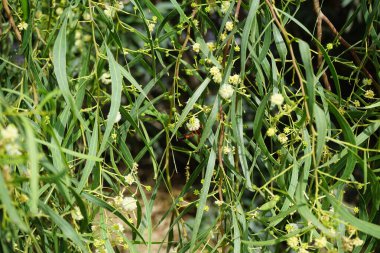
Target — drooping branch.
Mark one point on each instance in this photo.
(317, 10)
(347, 45)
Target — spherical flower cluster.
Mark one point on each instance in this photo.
(216, 75)
(229, 26)
(292, 242)
(151, 27)
(369, 94)
(129, 179)
(211, 46)
(219, 202)
(129, 204)
(10, 133)
(196, 47)
(109, 11)
(282, 138)
(118, 117)
(76, 214)
(226, 91)
(277, 99)
(193, 124)
(271, 131)
(367, 81)
(235, 79)
(225, 6)
(118, 227)
(291, 227)
(12, 149)
(23, 26)
(119, 5)
(106, 78)
(320, 242)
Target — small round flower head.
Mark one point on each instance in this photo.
(129, 179)
(357, 241)
(196, 47)
(214, 70)
(367, 81)
(287, 130)
(292, 242)
(106, 78)
(78, 34)
(271, 131)
(277, 99)
(302, 250)
(226, 150)
(211, 46)
(119, 5)
(76, 214)
(22, 26)
(369, 94)
(86, 16)
(291, 227)
(109, 11)
(225, 6)
(118, 117)
(151, 27)
(79, 44)
(217, 78)
(356, 103)
(235, 79)
(229, 26)
(223, 36)
(320, 242)
(329, 46)
(118, 227)
(226, 91)
(237, 48)
(282, 138)
(129, 204)
(118, 200)
(193, 124)
(12, 149)
(10, 133)
(219, 202)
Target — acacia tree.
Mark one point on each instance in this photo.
(259, 119)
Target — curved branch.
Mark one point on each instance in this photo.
(11, 20)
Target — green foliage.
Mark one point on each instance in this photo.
(257, 121)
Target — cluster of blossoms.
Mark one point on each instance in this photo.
(225, 6)
(193, 124)
(106, 78)
(216, 74)
(110, 11)
(8, 140)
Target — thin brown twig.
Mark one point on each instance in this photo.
(294, 62)
(11, 20)
(354, 55)
(317, 10)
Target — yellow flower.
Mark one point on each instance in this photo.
(320, 242)
(22, 26)
(277, 99)
(271, 131)
(225, 6)
(229, 26)
(129, 179)
(226, 91)
(196, 47)
(282, 138)
(235, 79)
(193, 124)
(369, 94)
